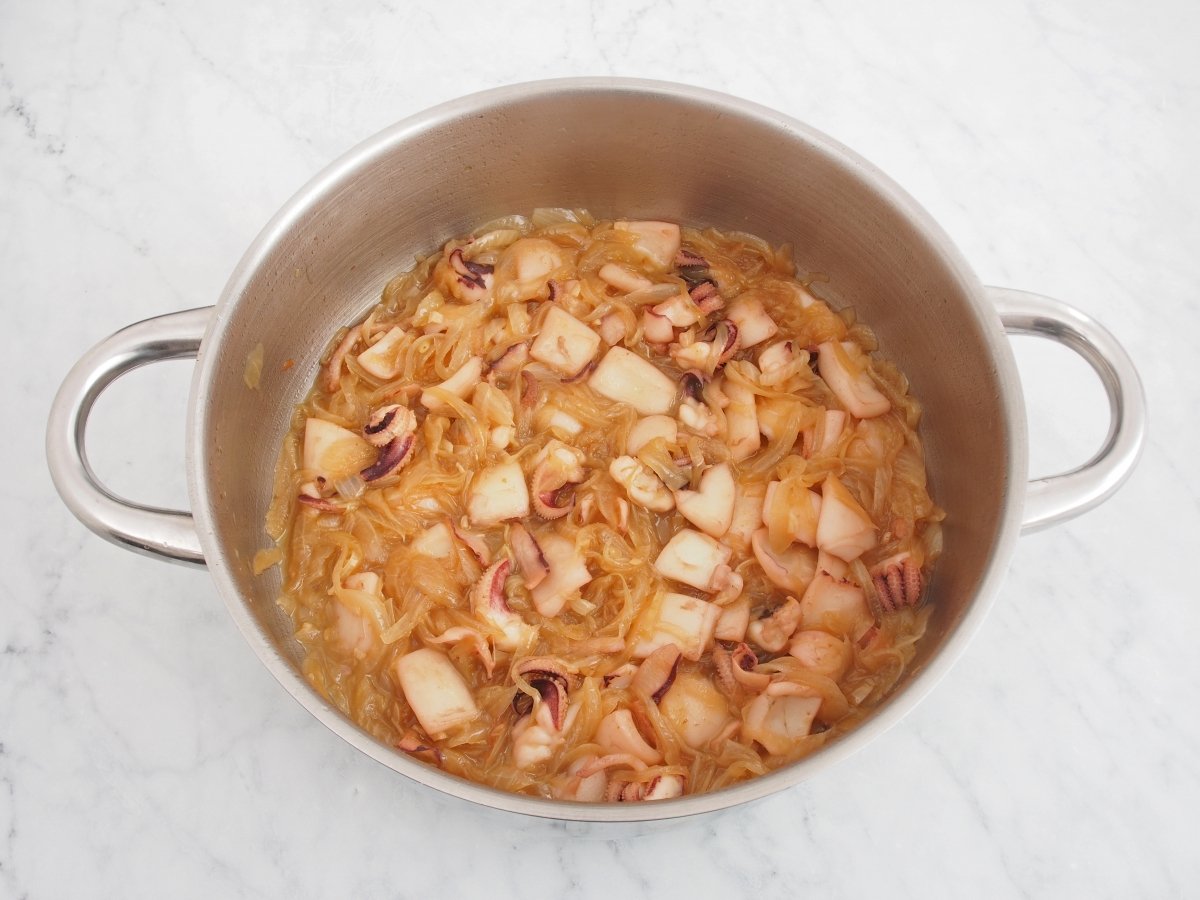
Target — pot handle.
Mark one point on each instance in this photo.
(162, 533)
(1058, 498)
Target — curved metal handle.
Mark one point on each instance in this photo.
(1057, 498)
(143, 529)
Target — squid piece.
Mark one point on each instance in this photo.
(331, 452)
(526, 266)
(556, 467)
(568, 573)
(625, 280)
(734, 620)
(611, 329)
(435, 691)
(710, 508)
(642, 485)
(380, 358)
(836, 606)
(687, 622)
(772, 632)
(490, 605)
(821, 652)
(618, 733)
(695, 559)
(791, 569)
(844, 528)
(656, 674)
(793, 513)
(741, 419)
(647, 429)
(696, 708)
(657, 241)
(472, 281)
(496, 494)
(355, 632)
(778, 722)
(460, 384)
(625, 377)
(656, 329)
(564, 344)
(844, 368)
(898, 582)
(754, 324)
(436, 542)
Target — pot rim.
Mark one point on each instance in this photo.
(342, 170)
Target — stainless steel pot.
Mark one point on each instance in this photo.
(619, 148)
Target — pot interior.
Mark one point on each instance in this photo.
(619, 149)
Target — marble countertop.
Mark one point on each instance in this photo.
(144, 752)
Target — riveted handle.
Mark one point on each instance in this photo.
(163, 533)
(1057, 498)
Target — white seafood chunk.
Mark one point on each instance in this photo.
(436, 541)
(772, 632)
(565, 344)
(460, 384)
(380, 358)
(332, 452)
(656, 329)
(734, 620)
(754, 323)
(623, 279)
(498, 493)
(568, 573)
(617, 733)
(741, 419)
(646, 429)
(526, 264)
(821, 652)
(611, 329)
(436, 692)
(658, 241)
(844, 529)
(711, 507)
(799, 511)
(628, 378)
(844, 369)
(687, 622)
(696, 708)
(679, 310)
(355, 632)
(836, 606)
(747, 515)
(641, 484)
(791, 569)
(694, 559)
(777, 722)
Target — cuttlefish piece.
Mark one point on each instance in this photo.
(835, 605)
(657, 241)
(791, 569)
(489, 604)
(628, 378)
(648, 428)
(741, 419)
(844, 527)
(695, 559)
(436, 692)
(618, 733)
(564, 344)
(821, 652)
(772, 632)
(641, 484)
(696, 708)
(710, 508)
(380, 358)
(684, 621)
(332, 452)
(754, 323)
(844, 368)
(460, 384)
(568, 573)
(778, 722)
(625, 280)
(556, 467)
(498, 493)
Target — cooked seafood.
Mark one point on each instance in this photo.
(605, 511)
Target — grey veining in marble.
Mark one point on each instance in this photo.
(143, 750)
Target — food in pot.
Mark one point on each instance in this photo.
(605, 511)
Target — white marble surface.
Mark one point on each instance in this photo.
(144, 752)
